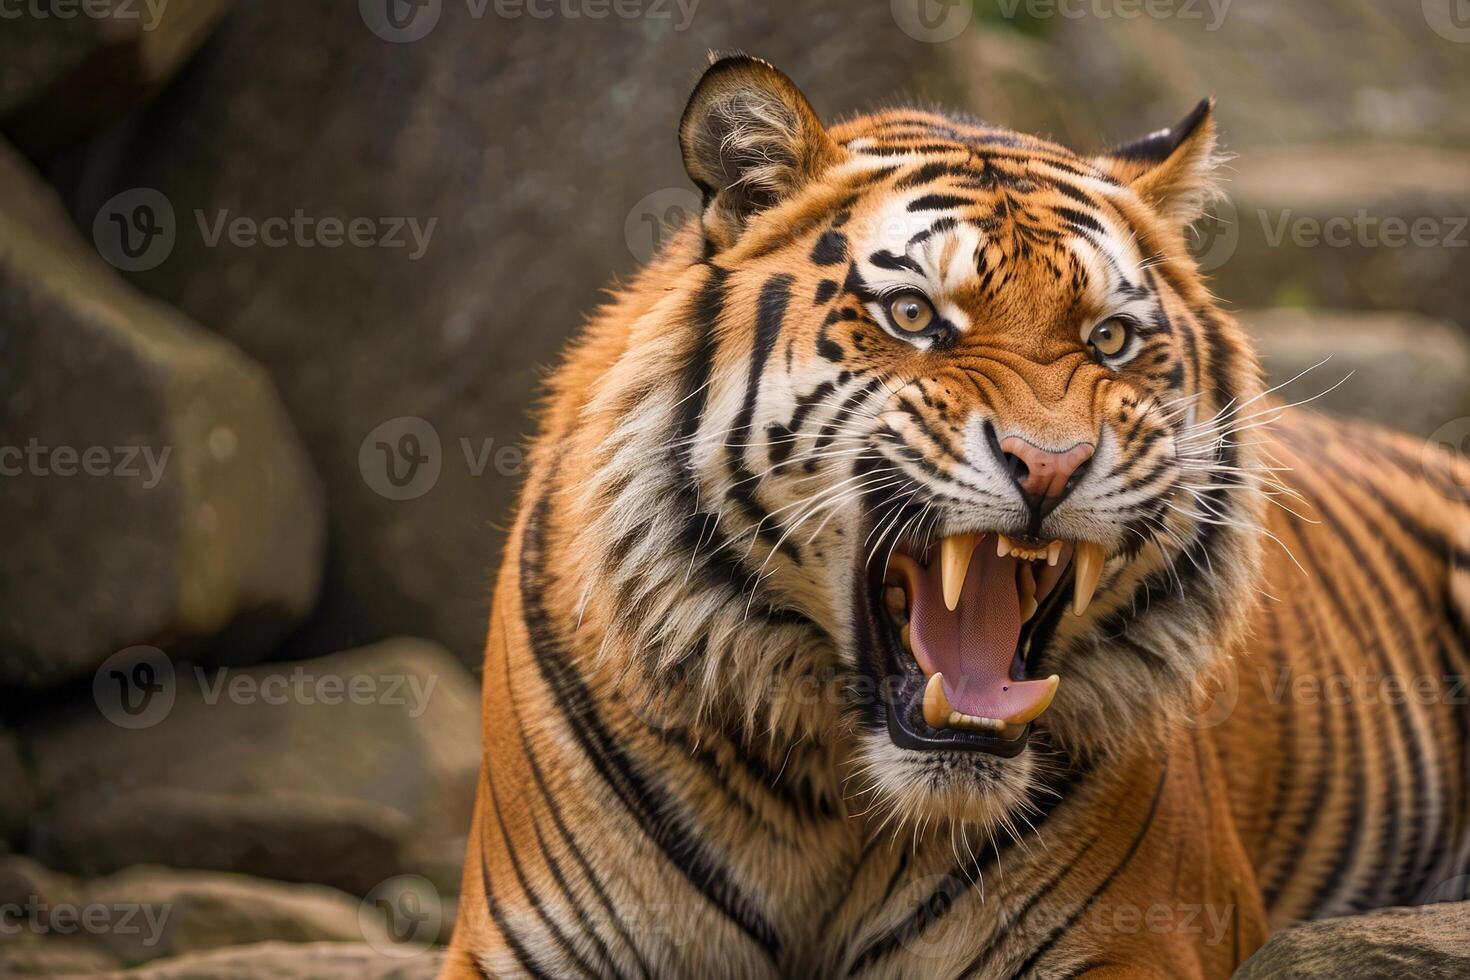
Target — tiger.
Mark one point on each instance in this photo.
(916, 577)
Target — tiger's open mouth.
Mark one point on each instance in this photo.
(958, 625)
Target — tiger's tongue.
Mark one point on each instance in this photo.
(974, 645)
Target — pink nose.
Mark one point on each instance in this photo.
(1045, 473)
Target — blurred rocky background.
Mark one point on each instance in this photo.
(277, 283)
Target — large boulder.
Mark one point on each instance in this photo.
(291, 961)
(155, 490)
(194, 911)
(1403, 370)
(1429, 942)
(506, 168)
(15, 798)
(68, 67)
(347, 770)
(61, 924)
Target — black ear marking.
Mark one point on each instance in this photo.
(1159, 146)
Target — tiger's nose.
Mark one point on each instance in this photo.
(1045, 477)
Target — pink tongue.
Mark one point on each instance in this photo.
(974, 645)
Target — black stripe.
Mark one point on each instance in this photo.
(963, 877)
(547, 921)
(650, 805)
(694, 388)
(1357, 827)
(770, 312)
(940, 202)
(568, 838)
(1020, 915)
(1061, 930)
(497, 914)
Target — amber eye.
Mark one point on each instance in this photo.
(1109, 337)
(911, 312)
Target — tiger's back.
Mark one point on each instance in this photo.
(1344, 726)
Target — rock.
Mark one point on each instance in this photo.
(45, 933)
(65, 71)
(1380, 227)
(29, 954)
(156, 490)
(1428, 942)
(344, 771)
(1403, 370)
(194, 911)
(507, 136)
(1375, 73)
(15, 799)
(288, 961)
(24, 881)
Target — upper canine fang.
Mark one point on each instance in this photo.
(954, 564)
(1087, 560)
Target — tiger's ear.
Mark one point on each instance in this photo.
(1174, 170)
(750, 139)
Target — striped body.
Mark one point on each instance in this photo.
(689, 765)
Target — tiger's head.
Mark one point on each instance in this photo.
(953, 412)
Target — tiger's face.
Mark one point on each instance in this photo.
(969, 413)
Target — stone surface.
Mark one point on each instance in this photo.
(545, 150)
(194, 911)
(155, 490)
(1403, 370)
(15, 790)
(289, 961)
(42, 936)
(1383, 227)
(67, 68)
(1428, 943)
(344, 771)
(1357, 72)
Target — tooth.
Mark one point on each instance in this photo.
(1002, 546)
(1053, 552)
(954, 562)
(1087, 558)
(895, 601)
(908, 639)
(936, 705)
(1034, 712)
(1027, 593)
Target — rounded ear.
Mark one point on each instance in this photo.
(1174, 169)
(750, 139)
